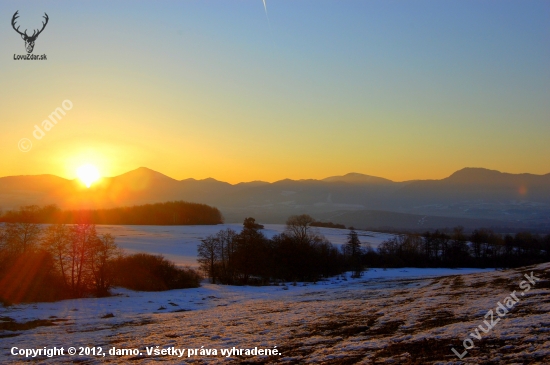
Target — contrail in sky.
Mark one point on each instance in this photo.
(265, 7)
(267, 16)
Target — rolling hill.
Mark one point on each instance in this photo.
(471, 197)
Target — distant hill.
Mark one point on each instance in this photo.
(356, 178)
(471, 196)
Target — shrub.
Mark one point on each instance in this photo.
(146, 272)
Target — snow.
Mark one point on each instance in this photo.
(310, 323)
(406, 315)
(179, 243)
(127, 303)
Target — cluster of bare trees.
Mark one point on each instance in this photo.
(72, 259)
(481, 248)
(298, 254)
(81, 256)
(217, 255)
(47, 263)
(17, 238)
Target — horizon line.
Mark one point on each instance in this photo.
(284, 179)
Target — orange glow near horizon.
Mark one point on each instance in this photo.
(347, 88)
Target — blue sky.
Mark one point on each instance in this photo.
(400, 89)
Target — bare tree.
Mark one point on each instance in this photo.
(103, 249)
(389, 247)
(57, 241)
(227, 247)
(3, 238)
(209, 255)
(83, 237)
(299, 228)
(21, 237)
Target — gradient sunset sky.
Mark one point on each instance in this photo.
(397, 89)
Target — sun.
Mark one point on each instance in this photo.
(88, 174)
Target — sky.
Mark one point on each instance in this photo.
(196, 89)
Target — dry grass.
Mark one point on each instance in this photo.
(440, 318)
(8, 324)
(458, 283)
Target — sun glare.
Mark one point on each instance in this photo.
(88, 174)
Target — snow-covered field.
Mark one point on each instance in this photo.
(396, 316)
(179, 243)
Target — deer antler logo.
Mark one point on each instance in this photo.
(29, 40)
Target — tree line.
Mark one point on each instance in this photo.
(328, 225)
(168, 213)
(302, 254)
(298, 254)
(482, 248)
(47, 263)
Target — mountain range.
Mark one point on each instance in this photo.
(471, 197)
